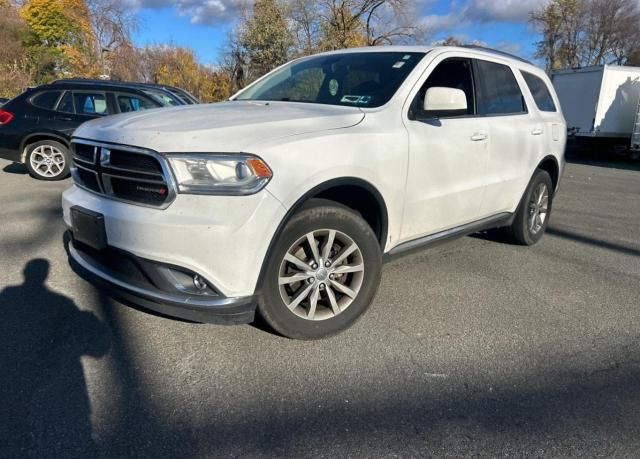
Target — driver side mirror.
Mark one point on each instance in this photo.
(439, 99)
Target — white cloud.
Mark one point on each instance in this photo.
(211, 12)
(464, 14)
(502, 10)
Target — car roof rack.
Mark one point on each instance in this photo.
(98, 81)
(497, 51)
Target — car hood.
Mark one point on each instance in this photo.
(232, 126)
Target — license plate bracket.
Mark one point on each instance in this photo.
(88, 227)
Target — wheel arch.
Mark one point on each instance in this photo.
(37, 137)
(550, 164)
(352, 192)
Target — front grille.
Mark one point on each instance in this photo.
(88, 178)
(127, 174)
(85, 153)
(146, 192)
(124, 159)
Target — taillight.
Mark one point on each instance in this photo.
(5, 117)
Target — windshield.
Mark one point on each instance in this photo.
(366, 79)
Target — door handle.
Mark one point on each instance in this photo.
(479, 136)
(537, 131)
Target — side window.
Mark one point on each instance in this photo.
(66, 104)
(133, 103)
(540, 92)
(46, 99)
(451, 73)
(498, 91)
(90, 103)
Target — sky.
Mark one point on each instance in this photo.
(204, 24)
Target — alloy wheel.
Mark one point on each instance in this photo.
(321, 274)
(47, 161)
(538, 208)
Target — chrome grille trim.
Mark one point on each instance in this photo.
(103, 171)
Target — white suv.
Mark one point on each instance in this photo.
(284, 199)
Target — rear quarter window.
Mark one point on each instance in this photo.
(540, 92)
(47, 99)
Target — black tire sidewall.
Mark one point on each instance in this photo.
(67, 163)
(520, 229)
(311, 218)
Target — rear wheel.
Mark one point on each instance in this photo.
(532, 216)
(322, 274)
(48, 160)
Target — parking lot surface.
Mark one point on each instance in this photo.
(472, 348)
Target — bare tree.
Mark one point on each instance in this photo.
(335, 24)
(578, 33)
(113, 23)
(15, 67)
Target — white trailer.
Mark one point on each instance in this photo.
(601, 102)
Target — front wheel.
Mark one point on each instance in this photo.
(48, 160)
(322, 274)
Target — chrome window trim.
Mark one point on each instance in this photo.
(167, 175)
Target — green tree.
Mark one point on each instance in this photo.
(177, 66)
(265, 39)
(61, 29)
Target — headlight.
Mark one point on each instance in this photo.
(219, 174)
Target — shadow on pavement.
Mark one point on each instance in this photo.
(43, 394)
(601, 158)
(46, 410)
(16, 168)
(595, 242)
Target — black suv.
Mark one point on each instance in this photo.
(36, 126)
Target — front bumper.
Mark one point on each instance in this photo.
(223, 238)
(143, 290)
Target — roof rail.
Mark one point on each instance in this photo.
(90, 81)
(497, 51)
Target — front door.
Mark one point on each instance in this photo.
(448, 154)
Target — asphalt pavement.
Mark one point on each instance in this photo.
(473, 348)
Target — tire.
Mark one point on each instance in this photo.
(285, 307)
(532, 218)
(48, 160)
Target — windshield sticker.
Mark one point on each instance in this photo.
(398, 65)
(406, 57)
(358, 100)
(333, 87)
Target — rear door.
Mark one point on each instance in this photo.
(448, 155)
(76, 107)
(513, 131)
(549, 112)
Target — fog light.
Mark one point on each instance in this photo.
(199, 282)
